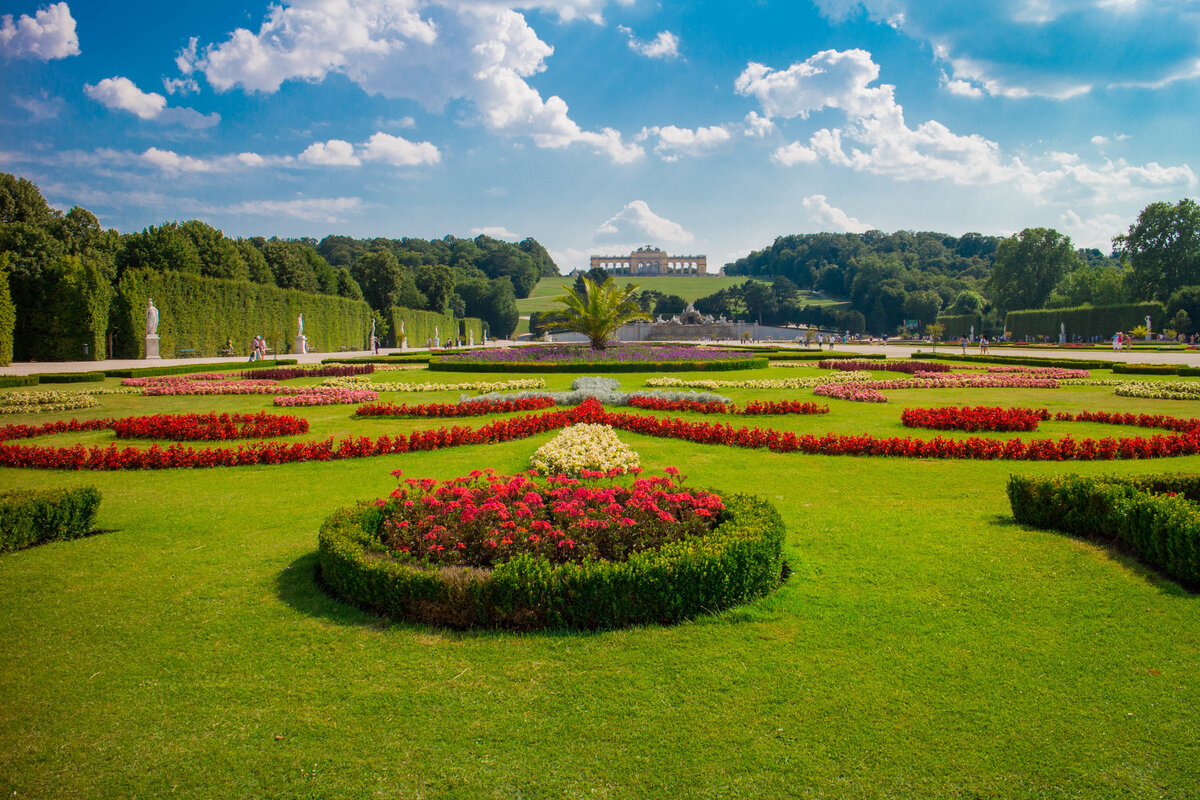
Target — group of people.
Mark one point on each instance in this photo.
(1122, 341)
(258, 348)
(983, 345)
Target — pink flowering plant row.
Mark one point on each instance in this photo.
(872, 391)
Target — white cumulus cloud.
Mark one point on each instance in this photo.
(664, 45)
(876, 138)
(674, 142)
(310, 209)
(496, 232)
(398, 151)
(333, 153)
(123, 94)
(637, 223)
(831, 219)
(789, 155)
(433, 54)
(47, 35)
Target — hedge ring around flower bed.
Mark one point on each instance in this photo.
(740, 559)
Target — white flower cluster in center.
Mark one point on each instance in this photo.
(582, 447)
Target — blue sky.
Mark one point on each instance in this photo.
(596, 127)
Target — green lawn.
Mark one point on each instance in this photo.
(926, 645)
(689, 287)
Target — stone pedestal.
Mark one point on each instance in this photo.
(152, 346)
(300, 345)
(1062, 338)
(403, 342)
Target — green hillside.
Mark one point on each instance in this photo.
(689, 287)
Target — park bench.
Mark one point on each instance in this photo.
(186, 352)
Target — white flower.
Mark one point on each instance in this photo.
(584, 447)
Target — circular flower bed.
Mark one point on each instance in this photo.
(979, 418)
(208, 427)
(617, 357)
(515, 552)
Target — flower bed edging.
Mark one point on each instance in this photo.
(742, 558)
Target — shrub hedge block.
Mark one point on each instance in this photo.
(1085, 321)
(33, 516)
(17, 380)
(742, 558)
(1156, 516)
(959, 325)
(201, 313)
(420, 326)
(69, 377)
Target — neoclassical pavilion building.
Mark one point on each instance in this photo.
(652, 261)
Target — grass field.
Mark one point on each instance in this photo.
(925, 646)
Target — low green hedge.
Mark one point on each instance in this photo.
(33, 516)
(183, 369)
(742, 558)
(1024, 361)
(1156, 516)
(7, 381)
(440, 364)
(69, 377)
(1154, 369)
(816, 355)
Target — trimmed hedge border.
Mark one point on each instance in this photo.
(7, 381)
(1022, 361)
(1155, 369)
(741, 559)
(32, 516)
(415, 358)
(828, 355)
(68, 377)
(1156, 516)
(438, 364)
(184, 369)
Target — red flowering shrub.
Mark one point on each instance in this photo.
(484, 519)
(470, 408)
(979, 418)
(1185, 440)
(208, 427)
(510, 552)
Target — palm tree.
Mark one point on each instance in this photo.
(598, 311)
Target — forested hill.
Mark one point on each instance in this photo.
(829, 262)
(885, 276)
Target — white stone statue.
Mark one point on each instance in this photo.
(401, 327)
(471, 338)
(1147, 323)
(151, 318)
(299, 326)
(1062, 328)
(437, 336)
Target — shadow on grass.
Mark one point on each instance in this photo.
(300, 587)
(1116, 552)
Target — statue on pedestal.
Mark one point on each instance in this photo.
(152, 318)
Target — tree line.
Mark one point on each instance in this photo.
(63, 267)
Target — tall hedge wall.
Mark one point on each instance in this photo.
(960, 325)
(1085, 321)
(8, 314)
(201, 313)
(419, 326)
